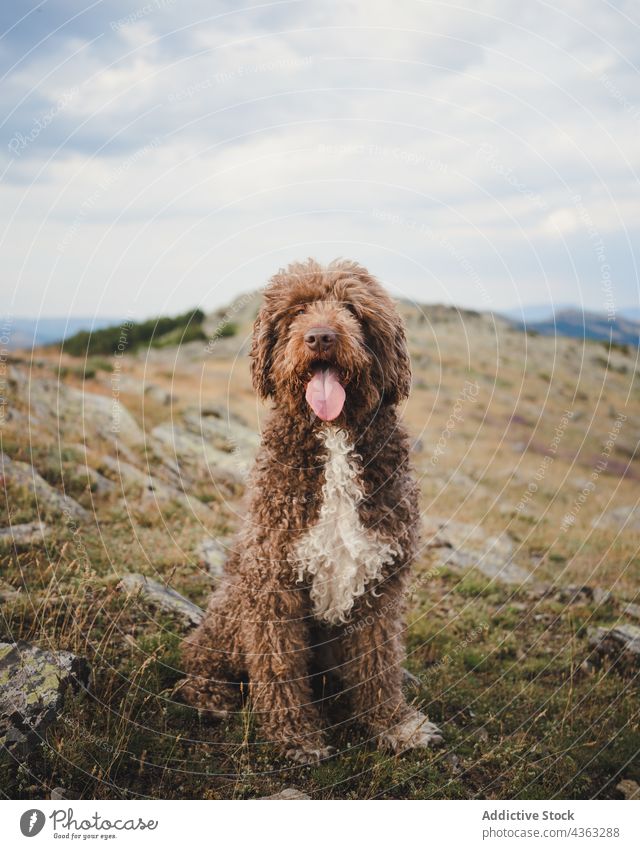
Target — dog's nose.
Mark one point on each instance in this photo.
(320, 340)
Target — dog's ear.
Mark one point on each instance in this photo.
(260, 354)
(397, 379)
(384, 327)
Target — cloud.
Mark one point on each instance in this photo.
(161, 155)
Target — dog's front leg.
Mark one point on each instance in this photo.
(372, 653)
(276, 639)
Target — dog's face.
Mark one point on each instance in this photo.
(332, 337)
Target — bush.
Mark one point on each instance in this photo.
(124, 337)
(229, 328)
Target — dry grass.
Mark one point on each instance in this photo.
(499, 668)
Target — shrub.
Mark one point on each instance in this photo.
(125, 337)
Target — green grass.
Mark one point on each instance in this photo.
(489, 668)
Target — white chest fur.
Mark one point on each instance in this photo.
(338, 553)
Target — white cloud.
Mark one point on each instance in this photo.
(202, 147)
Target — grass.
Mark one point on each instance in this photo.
(520, 717)
(499, 668)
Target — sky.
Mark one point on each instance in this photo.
(160, 155)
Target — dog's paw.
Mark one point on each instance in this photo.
(414, 732)
(306, 755)
(211, 704)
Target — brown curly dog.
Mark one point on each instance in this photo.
(318, 574)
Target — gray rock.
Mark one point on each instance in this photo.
(288, 793)
(71, 414)
(60, 793)
(482, 735)
(207, 448)
(30, 533)
(511, 510)
(163, 597)
(208, 443)
(466, 546)
(619, 645)
(212, 554)
(160, 395)
(97, 483)
(601, 596)
(581, 594)
(225, 429)
(620, 519)
(47, 496)
(410, 681)
(629, 789)
(632, 610)
(7, 591)
(454, 762)
(151, 489)
(33, 683)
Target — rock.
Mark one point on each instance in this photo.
(581, 595)
(206, 447)
(216, 410)
(526, 512)
(210, 442)
(632, 610)
(124, 382)
(619, 645)
(31, 533)
(22, 474)
(571, 594)
(621, 519)
(454, 762)
(410, 681)
(70, 414)
(482, 735)
(539, 591)
(601, 596)
(212, 554)
(33, 683)
(60, 793)
(152, 489)
(160, 395)
(467, 546)
(7, 592)
(288, 793)
(97, 483)
(221, 425)
(629, 789)
(163, 597)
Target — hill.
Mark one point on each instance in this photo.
(123, 480)
(577, 324)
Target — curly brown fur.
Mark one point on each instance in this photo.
(263, 622)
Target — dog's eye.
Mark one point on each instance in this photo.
(351, 308)
(299, 310)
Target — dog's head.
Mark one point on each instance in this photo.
(330, 335)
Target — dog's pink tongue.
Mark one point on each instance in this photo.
(325, 394)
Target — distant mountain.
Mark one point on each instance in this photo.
(545, 312)
(536, 312)
(30, 332)
(585, 325)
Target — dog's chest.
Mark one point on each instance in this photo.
(339, 555)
